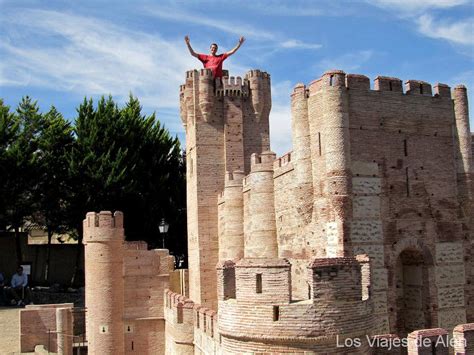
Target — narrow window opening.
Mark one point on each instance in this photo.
(407, 182)
(405, 147)
(421, 89)
(132, 346)
(331, 78)
(276, 313)
(259, 283)
(319, 143)
(179, 317)
(309, 292)
(197, 320)
(390, 85)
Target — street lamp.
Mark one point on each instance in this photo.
(163, 227)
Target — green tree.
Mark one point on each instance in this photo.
(54, 186)
(20, 169)
(124, 160)
(9, 128)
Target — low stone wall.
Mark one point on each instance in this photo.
(38, 326)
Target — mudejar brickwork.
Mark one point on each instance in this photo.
(362, 234)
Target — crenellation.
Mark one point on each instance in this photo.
(357, 82)
(442, 90)
(363, 230)
(385, 83)
(417, 87)
(334, 78)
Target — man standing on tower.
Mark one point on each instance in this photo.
(213, 61)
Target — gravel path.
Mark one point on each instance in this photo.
(9, 331)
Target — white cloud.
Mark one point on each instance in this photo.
(273, 40)
(234, 27)
(461, 32)
(417, 5)
(91, 57)
(295, 44)
(347, 62)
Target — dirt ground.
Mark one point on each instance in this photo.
(9, 331)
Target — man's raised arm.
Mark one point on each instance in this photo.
(233, 50)
(188, 43)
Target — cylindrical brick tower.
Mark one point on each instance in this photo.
(64, 330)
(464, 162)
(262, 239)
(231, 242)
(302, 152)
(329, 127)
(206, 93)
(103, 240)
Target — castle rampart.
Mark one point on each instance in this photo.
(363, 231)
(124, 289)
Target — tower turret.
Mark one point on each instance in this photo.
(103, 240)
(231, 240)
(261, 242)
(330, 141)
(259, 83)
(206, 93)
(302, 152)
(222, 131)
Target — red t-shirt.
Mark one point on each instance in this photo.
(214, 63)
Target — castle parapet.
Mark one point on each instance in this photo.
(260, 93)
(103, 227)
(232, 87)
(442, 90)
(418, 87)
(428, 341)
(464, 339)
(357, 81)
(335, 279)
(179, 315)
(386, 83)
(263, 280)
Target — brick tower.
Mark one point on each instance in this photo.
(225, 121)
(103, 240)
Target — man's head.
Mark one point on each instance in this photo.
(214, 48)
(19, 271)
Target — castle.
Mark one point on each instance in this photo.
(364, 231)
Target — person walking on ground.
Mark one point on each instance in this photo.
(20, 292)
(213, 61)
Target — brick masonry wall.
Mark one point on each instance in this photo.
(223, 128)
(38, 326)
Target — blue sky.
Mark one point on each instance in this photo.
(58, 52)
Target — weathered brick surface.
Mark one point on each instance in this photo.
(375, 198)
(39, 326)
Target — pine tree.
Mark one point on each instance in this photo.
(20, 179)
(54, 186)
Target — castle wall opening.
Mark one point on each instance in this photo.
(413, 302)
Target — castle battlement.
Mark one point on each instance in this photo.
(338, 78)
(263, 161)
(103, 220)
(232, 87)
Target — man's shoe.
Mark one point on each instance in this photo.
(13, 302)
(20, 303)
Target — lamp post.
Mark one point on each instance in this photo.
(163, 227)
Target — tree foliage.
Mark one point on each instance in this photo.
(110, 158)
